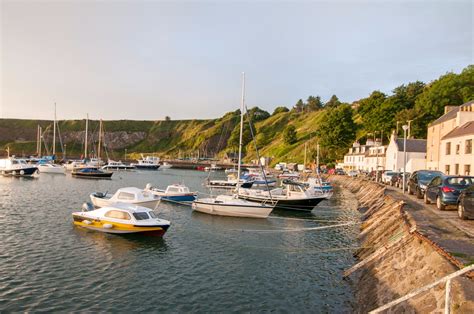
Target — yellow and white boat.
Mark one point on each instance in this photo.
(121, 218)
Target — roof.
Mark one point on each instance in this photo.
(465, 129)
(445, 117)
(450, 114)
(413, 145)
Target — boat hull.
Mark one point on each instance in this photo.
(232, 210)
(106, 175)
(24, 172)
(118, 228)
(306, 204)
(147, 167)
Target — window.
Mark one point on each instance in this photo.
(126, 196)
(460, 181)
(152, 214)
(458, 148)
(141, 216)
(447, 169)
(448, 148)
(456, 169)
(467, 170)
(468, 149)
(117, 214)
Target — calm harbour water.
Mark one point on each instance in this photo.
(203, 264)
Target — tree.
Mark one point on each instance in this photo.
(333, 102)
(337, 130)
(280, 109)
(167, 118)
(314, 103)
(289, 135)
(299, 107)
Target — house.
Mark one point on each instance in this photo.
(364, 157)
(230, 158)
(456, 153)
(416, 154)
(454, 117)
(375, 159)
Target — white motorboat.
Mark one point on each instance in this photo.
(51, 168)
(212, 167)
(122, 219)
(231, 205)
(173, 193)
(117, 165)
(147, 163)
(165, 165)
(286, 174)
(130, 195)
(291, 196)
(12, 167)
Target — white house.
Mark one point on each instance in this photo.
(375, 159)
(416, 154)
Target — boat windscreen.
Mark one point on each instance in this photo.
(141, 216)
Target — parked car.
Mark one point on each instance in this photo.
(352, 173)
(445, 190)
(387, 176)
(340, 172)
(466, 203)
(419, 180)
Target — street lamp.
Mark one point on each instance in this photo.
(405, 128)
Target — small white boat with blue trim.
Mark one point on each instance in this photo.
(12, 167)
(130, 195)
(173, 193)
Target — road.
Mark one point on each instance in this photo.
(443, 227)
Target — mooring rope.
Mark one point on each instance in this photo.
(297, 229)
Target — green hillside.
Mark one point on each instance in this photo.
(281, 135)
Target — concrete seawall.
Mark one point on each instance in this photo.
(395, 259)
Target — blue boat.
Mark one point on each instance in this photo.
(174, 193)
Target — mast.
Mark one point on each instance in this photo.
(305, 148)
(317, 159)
(100, 137)
(40, 140)
(54, 131)
(241, 130)
(38, 136)
(85, 142)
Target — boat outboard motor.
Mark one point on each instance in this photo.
(87, 207)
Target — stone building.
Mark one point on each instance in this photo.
(455, 117)
(456, 152)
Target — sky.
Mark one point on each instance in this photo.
(145, 60)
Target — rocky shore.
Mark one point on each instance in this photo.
(396, 259)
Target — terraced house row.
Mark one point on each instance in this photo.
(448, 147)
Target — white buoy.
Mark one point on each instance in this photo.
(107, 226)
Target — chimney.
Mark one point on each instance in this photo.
(449, 108)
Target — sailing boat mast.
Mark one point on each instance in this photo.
(100, 137)
(317, 159)
(54, 131)
(241, 130)
(305, 148)
(85, 142)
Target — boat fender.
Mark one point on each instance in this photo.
(87, 207)
(108, 226)
(13, 172)
(87, 222)
(22, 172)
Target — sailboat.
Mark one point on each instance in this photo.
(48, 165)
(232, 205)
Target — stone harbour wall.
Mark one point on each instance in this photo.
(395, 259)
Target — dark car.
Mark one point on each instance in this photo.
(419, 180)
(466, 203)
(445, 190)
(397, 179)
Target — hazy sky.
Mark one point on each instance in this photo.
(149, 59)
